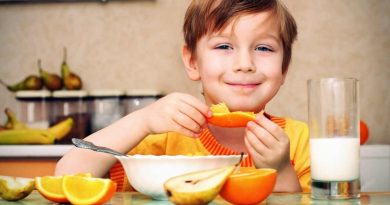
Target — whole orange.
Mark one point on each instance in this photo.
(249, 186)
(363, 132)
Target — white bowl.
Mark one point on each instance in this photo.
(148, 173)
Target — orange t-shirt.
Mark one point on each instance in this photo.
(173, 143)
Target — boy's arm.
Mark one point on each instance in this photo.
(122, 136)
(176, 112)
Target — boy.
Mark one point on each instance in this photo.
(240, 51)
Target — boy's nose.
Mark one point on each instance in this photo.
(244, 62)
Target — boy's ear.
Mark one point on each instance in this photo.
(190, 63)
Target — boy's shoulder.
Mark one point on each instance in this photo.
(290, 125)
(295, 122)
(287, 121)
(297, 128)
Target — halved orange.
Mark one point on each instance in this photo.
(249, 186)
(224, 118)
(88, 190)
(50, 187)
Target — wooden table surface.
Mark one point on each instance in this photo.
(134, 198)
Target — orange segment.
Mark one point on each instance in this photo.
(219, 108)
(50, 187)
(84, 190)
(224, 118)
(249, 185)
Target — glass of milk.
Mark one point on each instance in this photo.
(334, 138)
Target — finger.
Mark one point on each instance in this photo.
(185, 131)
(255, 144)
(194, 114)
(197, 104)
(175, 127)
(262, 134)
(257, 157)
(272, 128)
(187, 122)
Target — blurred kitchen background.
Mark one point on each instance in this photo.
(136, 44)
(133, 45)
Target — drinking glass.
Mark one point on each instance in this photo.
(334, 138)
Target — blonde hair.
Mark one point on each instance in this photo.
(209, 16)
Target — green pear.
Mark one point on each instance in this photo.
(31, 82)
(198, 187)
(50, 80)
(70, 80)
(15, 188)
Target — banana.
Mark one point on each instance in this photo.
(16, 132)
(12, 121)
(26, 136)
(61, 129)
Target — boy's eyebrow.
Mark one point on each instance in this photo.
(271, 36)
(262, 36)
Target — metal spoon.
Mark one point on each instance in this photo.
(89, 145)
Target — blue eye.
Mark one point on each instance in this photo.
(264, 49)
(224, 47)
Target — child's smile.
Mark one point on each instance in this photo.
(243, 86)
(242, 64)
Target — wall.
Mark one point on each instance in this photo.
(136, 44)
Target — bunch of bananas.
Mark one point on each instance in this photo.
(16, 132)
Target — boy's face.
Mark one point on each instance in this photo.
(242, 64)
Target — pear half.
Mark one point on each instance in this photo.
(15, 188)
(197, 187)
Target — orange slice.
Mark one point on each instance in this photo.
(249, 185)
(88, 190)
(50, 187)
(224, 118)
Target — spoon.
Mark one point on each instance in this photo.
(89, 145)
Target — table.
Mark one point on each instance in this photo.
(134, 198)
(30, 160)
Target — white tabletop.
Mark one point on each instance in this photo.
(34, 150)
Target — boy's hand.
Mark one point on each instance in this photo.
(176, 112)
(267, 143)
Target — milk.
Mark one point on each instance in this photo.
(335, 159)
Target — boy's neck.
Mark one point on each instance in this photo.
(232, 138)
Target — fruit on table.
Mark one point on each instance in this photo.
(88, 190)
(198, 187)
(36, 136)
(224, 118)
(50, 80)
(249, 185)
(70, 80)
(15, 188)
(50, 187)
(31, 82)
